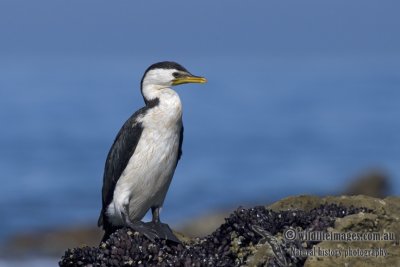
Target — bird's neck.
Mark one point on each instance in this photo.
(151, 91)
(164, 99)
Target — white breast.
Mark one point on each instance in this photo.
(146, 179)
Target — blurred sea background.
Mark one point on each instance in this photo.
(302, 96)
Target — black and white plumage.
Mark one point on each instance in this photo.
(144, 155)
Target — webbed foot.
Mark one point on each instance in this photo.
(144, 229)
(163, 231)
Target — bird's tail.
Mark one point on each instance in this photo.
(100, 220)
(106, 225)
(106, 236)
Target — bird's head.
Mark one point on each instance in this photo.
(165, 75)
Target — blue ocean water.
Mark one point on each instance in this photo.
(258, 131)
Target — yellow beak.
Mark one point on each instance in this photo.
(189, 79)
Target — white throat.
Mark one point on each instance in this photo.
(168, 101)
(153, 91)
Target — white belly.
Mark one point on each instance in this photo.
(146, 179)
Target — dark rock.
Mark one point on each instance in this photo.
(250, 237)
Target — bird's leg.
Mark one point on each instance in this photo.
(139, 226)
(163, 230)
(156, 215)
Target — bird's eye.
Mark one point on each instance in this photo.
(177, 74)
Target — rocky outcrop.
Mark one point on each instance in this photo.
(266, 236)
(382, 217)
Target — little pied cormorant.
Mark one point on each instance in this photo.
(144, 155)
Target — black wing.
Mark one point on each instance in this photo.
(180, 145)
(118, 157)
